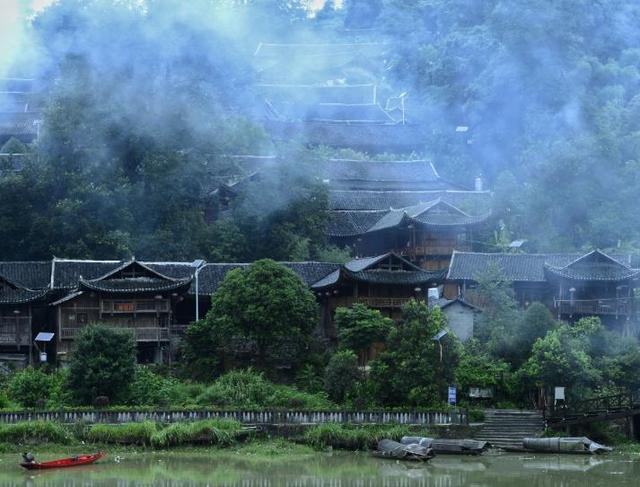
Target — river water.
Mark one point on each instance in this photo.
(334, 470)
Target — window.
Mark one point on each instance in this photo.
(124, 307)
(82, 318)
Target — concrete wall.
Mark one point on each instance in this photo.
(461, 320)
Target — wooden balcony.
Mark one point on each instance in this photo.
(425, 250)
(382, 302)
(141, 334)
(609, 306)
(15, 330)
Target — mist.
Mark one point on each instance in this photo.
(141, 104)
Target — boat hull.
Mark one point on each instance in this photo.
(64, 462)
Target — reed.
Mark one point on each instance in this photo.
(123, 434)
(220, 432)
(34, 432)
(352, 437)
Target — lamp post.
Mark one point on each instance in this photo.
(198, 264)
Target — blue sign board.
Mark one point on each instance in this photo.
(452, 395)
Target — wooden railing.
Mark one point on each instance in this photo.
(142, 334)
(425, 250)
(599, 407)
(382, 302)
(15, 330)
(609, 306)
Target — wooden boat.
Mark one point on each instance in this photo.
(398, 451)
(64, 462)
(443, 446)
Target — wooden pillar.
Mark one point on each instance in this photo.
(30, 337)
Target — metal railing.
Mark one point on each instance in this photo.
(141, 334)
(608, 306)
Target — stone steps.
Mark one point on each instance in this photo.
(505, 428)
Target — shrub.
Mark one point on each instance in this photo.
(352, 437)
(123, 434)
(151, 389)
(249, 389)
(341, 375)
(30, 387)
(221, 432)
(33, 432)
(59, 393)
(102, 364)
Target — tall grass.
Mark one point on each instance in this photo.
(251, 390)
(34, 432)
(352, 437)
(221, 432)
(123, 434)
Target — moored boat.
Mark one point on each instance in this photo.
(63, 462)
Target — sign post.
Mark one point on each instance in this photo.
(452, 395)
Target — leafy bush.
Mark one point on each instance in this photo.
(352, 437)
(341, 375)
(123, 434)
(102, 364)
(35, 432)
(151, 389)
(30, 387)
(359, 327)
(221, 432)
(249, 389)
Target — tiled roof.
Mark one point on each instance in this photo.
(527, 267)
(372, 138)
(135, 284)
(365, 270)
(594, 266)
(431, 214)
(67, 272)
(211, 275)
(515, 267)
(473, 202)
(386, 171)
(32, 275)
(10, 295)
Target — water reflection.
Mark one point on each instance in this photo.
(338, 470)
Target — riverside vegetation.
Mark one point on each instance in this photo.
(513, 352)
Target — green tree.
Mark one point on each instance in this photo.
(342, 375)
(359, 327)
(564, 357)
(409, 371)
(30, 387)
(102, 364)
(479, 369)
(266, 308)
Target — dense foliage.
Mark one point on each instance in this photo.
(102, 364)
(415, 369)
(263, 314)
(134, 139)
(360, 327)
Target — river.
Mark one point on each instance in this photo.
(333, 470)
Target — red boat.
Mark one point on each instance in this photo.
(64, 462)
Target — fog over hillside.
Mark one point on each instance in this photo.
(137, 106)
